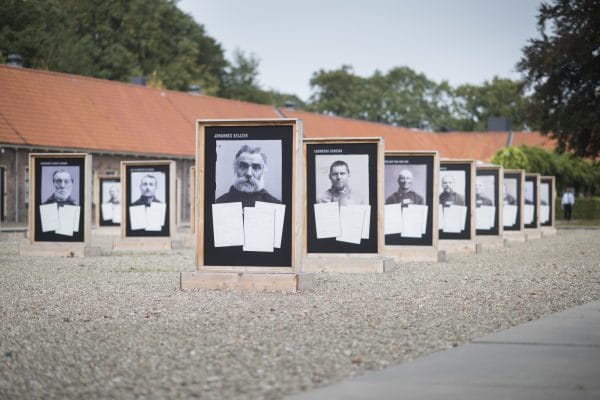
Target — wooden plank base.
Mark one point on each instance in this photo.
(52, 249)
(143, 244)
(244, 281)
(457, 246)
(414, 253)
(515, 236)
(492, 241)
(347, 263)
(533, 233)
(548, 231)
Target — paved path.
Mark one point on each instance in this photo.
(556, 357)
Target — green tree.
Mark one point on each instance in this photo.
(241, 80)
(562, 68)
(511, 157)
(473, 105)
(113, 39)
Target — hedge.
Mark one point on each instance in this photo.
(584, 208)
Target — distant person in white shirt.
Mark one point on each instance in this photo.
(568, 199)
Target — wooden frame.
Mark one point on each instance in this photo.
(551, 180)
(151, 240)
(98, 181)
(52, 245)
(419, 252)
(192, 196)
(345, 261)
(457, 244)
(536, 192)
(295, 211)
(518, 234)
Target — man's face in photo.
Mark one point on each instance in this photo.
(447, 183)
(405, 180)
(249, 170)
(63, 184)
(339, 177)
(148, 186)
(479, 187)
(114, 193)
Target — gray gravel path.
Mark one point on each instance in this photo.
(117, 326)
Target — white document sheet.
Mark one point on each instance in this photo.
(528, 213)
(509, 215)
(137, 217)
(484, 217)
(116, 213)
(228, 224)
(76, 218)
(279, 218)
(327, 220)
(544, 214)
(366, 220)
(155, 216)
(454, 218)
(412, 221)
(66, 218)
(351, 221)
(259, 229)
(107, 211)
(424, 210)
(49, 217)
(392, 218)
(441, 217)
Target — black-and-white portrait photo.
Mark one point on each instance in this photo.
(452, 188)
(510, 191)
(60, 184)
(342, 178)
(248, 171)
(544, 193)
(59, 191)
(405, 184)
(484, 190)
(148, 187)
(110, 202)
(529, 192)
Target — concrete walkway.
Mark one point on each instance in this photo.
(556, 357)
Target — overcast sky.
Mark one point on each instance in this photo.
(461, 41)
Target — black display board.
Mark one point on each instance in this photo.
(487, 193)
(247, 164)
(59, 196)
(409, 180)
(324, 164)
(547, 197)
(531, 198)
(513, 197)
(146, 186)
(459, 194)
(109, 196)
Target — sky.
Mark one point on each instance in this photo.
(460, 41)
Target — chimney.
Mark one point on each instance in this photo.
(194, 90)
(139, 80)
(14, 60)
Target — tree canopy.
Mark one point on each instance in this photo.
(562, 68)
(406, 98)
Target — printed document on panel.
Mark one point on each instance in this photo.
(228, 224)
(509, 215)
(392, 218)
(137, 217)
(327, 220)
(351, 221)
(49, 217)
(528, 213)
(279, 210)
(259, 229)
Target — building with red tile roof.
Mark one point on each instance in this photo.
(48, 111)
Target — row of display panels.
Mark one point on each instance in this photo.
(252, 202)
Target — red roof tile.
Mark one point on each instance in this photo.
(48, 109)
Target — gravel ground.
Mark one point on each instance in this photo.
(117, 326)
